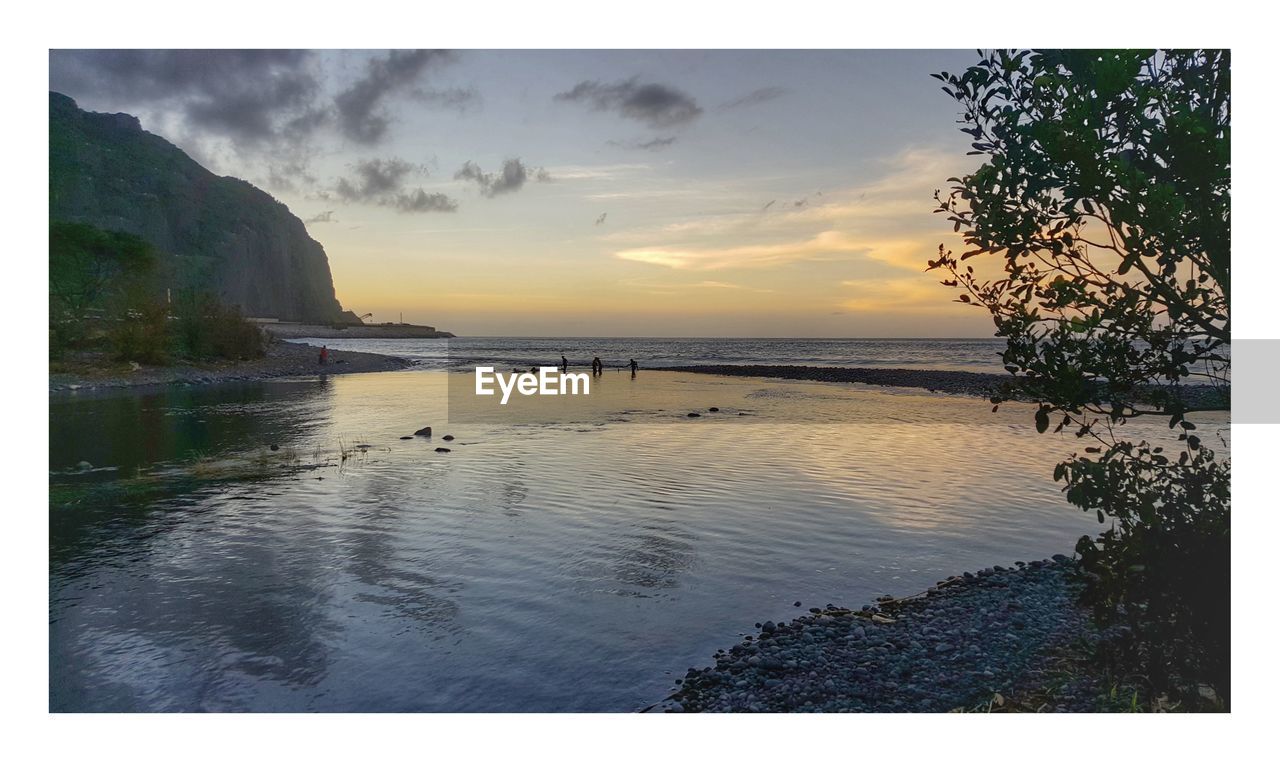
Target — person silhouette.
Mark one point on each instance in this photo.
(633, 367)
(564, 364)
(597, 367)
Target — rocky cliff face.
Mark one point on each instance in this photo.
(215, 233)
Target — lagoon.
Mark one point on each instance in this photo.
(580, 563)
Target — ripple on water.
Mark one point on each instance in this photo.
(534, 567)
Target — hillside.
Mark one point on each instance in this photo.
(215, 233)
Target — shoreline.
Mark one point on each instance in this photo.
(996, 640)
(285, 359)
(357, 331)
(282, 360)
(951, 381)
(968, 383)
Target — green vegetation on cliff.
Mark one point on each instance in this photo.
(210, 234)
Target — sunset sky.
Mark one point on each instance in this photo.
(620, 193)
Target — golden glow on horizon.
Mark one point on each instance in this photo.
(823, 266)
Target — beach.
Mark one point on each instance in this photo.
(281, 360)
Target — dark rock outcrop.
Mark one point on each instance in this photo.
(213, 233)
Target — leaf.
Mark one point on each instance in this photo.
(1042, 420)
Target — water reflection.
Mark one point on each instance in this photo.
(534, 567)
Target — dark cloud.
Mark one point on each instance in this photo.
(375, 178)
(600, 220)
(420, 201)
(754, 97)
(765, 208)
(360, 108)
(653, 104)
(252, 96)
(321, 217)
(246, 95)
(656, 144)
(512, 178)
(382, 182)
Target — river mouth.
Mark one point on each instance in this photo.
(573, 565)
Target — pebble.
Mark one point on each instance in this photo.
(951, 650)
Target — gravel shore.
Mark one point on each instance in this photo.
(954, 647)
(282, 360)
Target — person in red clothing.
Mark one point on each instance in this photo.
(324, 355)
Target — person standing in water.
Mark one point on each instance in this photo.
(564, 364)
(597, 367)
(634, 366)
(324, 355)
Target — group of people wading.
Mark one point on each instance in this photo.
(597, 366)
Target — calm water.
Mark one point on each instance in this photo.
(981, 355)
(581, 566)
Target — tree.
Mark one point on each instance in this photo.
(88, 267)
(1101, 217)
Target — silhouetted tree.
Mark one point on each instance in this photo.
(1104, 200)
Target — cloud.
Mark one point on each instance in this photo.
(512, 178)
(654, 104)
(600, 220)
(249, 96)
(321, 217)
(375, 178)
(824, 247)
(420, 201)
(656, 144)
(608, 172)
(287, 173)
(457, 98)
(894, 295)
(264, 110)
(763, 95)
(382, 182)
(360, 108)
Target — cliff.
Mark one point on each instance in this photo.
(215, 233)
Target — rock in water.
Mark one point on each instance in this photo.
(443, 449)
(447, 437)
(425, 431)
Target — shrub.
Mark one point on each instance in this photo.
(141, 335)
(207, 329)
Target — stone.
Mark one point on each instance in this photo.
(443, 449)
(425, 431)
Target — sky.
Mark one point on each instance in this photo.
(585, 193)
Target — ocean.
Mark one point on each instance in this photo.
(978, 355)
